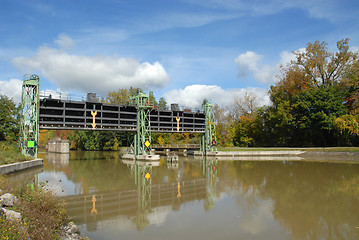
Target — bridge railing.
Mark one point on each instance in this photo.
(61, 95)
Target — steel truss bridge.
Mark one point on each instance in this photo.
(139, 117)
(72, 115)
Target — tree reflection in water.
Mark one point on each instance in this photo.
(311, 200)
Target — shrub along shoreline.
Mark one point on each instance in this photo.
(34, 213)
(42, 213)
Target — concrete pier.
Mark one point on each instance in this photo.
(58, 146)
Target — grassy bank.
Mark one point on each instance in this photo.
(9, 153)
(42, 213)
(328, 149)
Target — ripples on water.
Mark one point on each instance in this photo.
(205, 199)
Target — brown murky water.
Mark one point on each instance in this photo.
(206, 199)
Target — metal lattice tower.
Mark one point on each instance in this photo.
(209, 142)
(142, 140)
(29, 122)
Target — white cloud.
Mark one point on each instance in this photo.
(354, 48)
(64, 42)
(256, 220)
(192, 96)
(92, 73)
(11, 89)
(186, 20)
(251, 63)
(248, 62)
(321, 9)
(287, 57)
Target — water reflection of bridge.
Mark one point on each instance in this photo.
(136, 205)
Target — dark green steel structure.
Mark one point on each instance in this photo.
(209, 140)
(142, 139)
(29, 122)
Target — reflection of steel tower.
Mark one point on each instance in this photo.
(142, 141)
(209, 169)
(29, 122)
(209, 141)
(144, 182)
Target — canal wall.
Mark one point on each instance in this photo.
(286, 155)
(14, 167)
(250, 153)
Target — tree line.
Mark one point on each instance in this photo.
(314, 103)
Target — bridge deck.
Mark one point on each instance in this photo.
(78, 115)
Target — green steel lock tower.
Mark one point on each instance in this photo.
(142, 140)
(29, 112)
(209, 142)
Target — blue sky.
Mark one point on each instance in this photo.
(183, 50)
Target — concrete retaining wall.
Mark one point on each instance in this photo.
(13, 167)
(251, 153)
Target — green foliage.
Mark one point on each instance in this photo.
(348, 128)
(314, 104)
(42, 213)
(307, 120)
(122, 96)
(162, 104)
(244, 132)
(348, 124)
(309, 98)
(9, 119)
(178, 138)
(10, 153)
(98, 140)
(12, 229)
(153, 101)
(314, 112)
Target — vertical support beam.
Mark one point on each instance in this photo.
(209, 141)
(142, 144)
(30, 109)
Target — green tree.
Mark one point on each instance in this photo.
(350, 83)
(314, 67)
(9, 119)
(162, 104)
(245, 132)
(323, 67)
(348, 129)
(153, 100)
(314, 113)
(97, 140)
(314, 90)
(122, 96)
